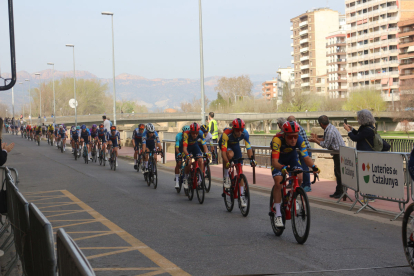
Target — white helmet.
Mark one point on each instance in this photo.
(61, 126)
(150, 127)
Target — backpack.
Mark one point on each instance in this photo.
(378, 143)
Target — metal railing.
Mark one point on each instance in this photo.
(71, 261)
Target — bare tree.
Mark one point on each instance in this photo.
(230, 88)
(405, 125)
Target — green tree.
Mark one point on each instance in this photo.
(130, 106)
(365, 99)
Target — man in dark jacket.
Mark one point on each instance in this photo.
(4, 147)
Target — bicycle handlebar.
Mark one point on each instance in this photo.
(296, 172)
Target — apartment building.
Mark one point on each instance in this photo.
(336, 63)
(273, 89)
(406, 54)
(372, 44)
(309, 31)
(287, 75)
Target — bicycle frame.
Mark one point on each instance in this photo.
(237, 178)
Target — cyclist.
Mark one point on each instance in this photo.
(283, 146)
(230, 148)
(28, 129)
(190, 146)
(102, 138)
(179, 154)
(74, 137)
(50, 130)
(43, 129)
(62, 136)
(84, 138)
(94, 136)
(56, 135)
(137, 142)
(38, 132)
(150, 140)
(207, 136)
(114, 140)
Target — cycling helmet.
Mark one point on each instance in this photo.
(204, 128)
(290, 127)
(186, 128)
(113, 128)
(77, 127)
(150, 127)
(194, 127)
(83, 127)
(238, 124)
(141, 126)
(101, 126)
(61, 126)
(73, 128)
(94, 126)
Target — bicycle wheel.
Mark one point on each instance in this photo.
(103, 157)
(149, 173)
(207, 178)
(180, 181)
(300, 216)
(277, 230)
(100, 157)
(76, 153)
(200, 186)
(154, 175)
(246, 194)
(228, 195)
(408, 234)
(114, 160)
(190, 190)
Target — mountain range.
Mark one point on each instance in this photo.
(154, 93)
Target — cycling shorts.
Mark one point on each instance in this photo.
(236, 150)
(138, 144)
(85, 139)
(150, 146)
(114, 143)
(37, 132)
(288, 160)
(75, 138)
(102, 138)
(194, 150)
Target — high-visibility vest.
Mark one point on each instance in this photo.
(215, 132)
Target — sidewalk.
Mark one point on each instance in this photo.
(320, 190)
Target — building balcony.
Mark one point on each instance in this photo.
(291, 36)
(389, 97)
(303, 67)
(302, 24)
(302, 41)
(304, 32)
(291, 53)
(291, 28)
(304, 84)
(304, 76)
(303, 50)
(304, 58)
(407, 65)
(292, 61)
(291, 44)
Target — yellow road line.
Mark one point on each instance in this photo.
(151, 254)
(125, 268)
(69, 213)
(94, 236)
(59, 205)
(111, 253)
(46, 198)
(74, 224)
(102, 248)
(37, 193)
(152, 273)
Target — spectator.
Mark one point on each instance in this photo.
(364, 136)
(107, 123)
(212, 125)
(280, 122)
(4, 147)
(306, 185)
(331, 140)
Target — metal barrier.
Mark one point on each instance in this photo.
(70, 259)
(400, 145)
(41, 236)
(350, 154)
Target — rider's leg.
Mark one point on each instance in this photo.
(277, 194)
(230, 155)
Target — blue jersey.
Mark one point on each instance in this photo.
(62, 132)
(188, 140)
(227, 139)
(150, 140)
(102, 133)
(136, 135)
(179, 141)
(93, 132)
(113, 137)
(85, 134)
(75, 134)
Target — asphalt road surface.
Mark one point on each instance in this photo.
(125, 227)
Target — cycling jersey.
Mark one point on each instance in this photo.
(50, 129)
(102, 135)
(137, 136)
(62, 133)
(93, 133)
(179, 141)
(227, 139)
(85, 135)
(75, 135)
(114, 138)
(38, 130)
(286, 154)
(280, 149)
(191, 144)
(150, 141)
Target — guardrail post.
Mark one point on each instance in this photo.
(254, 170)
(164, 144)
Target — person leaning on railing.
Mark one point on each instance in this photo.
(4, 147)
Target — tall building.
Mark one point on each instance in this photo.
(336, 63)
(406, 54)
(309, 49)
(287, 75)
(372, 44)
(273, 89)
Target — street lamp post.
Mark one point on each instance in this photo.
(23, 101)
(203, 119)
(74, 83)
(113, 60)
(54, 99)
(40, 101)
(30, 101)
(13, 102)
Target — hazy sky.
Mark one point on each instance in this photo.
(158, 38)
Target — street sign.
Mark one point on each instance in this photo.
(72, 103)
(381, 174)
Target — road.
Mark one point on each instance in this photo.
(125, 227)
